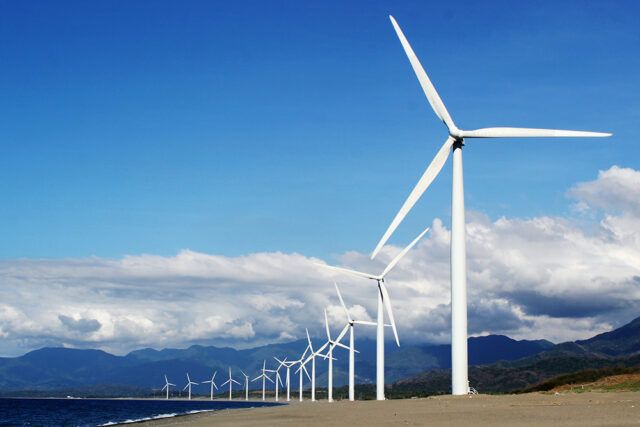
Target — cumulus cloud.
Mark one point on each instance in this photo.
(557, 278)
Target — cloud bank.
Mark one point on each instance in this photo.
(557, 278)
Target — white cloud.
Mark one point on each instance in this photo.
(543, 277)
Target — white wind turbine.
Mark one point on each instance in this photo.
(312, 358)
(167, 384)
(230, 381)
(455, 142)
(300, 370)
(189, 384)
(246, 385)
(278, 379)
(302, 361)
(383, 303)
(332, 343)
(264, 377)
(212, 382)
(288, 366)
(350, 324)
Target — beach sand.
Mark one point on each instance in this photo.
(534, 409)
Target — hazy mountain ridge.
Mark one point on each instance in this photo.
(619, 348)
(51, 369)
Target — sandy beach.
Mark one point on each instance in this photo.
(535, 409)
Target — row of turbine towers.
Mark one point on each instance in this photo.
(459, 354)
(325, 351)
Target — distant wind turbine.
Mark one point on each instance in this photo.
(302, 367)
(230, 381)
(287, 365)
(212, 382)
(455, 142)
(189, 384)
(278, 379)
(350, 323)
(264, 377)
(332, 343)
(246, 385)
(167, 384)
(384, 302)
(312, 358)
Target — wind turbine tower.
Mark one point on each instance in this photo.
(454, 143)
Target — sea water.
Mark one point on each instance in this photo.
(104, 412)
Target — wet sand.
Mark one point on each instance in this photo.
(534, 409)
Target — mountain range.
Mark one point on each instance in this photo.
(497, 364)
(615, 350)
(95, 372)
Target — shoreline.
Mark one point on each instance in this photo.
(533, 409)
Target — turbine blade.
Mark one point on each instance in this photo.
(403, 253)
(342, 303)
(309, 340)
(427, 87)
(502, 132)
(425, 181)
(304, 368)
(165, 386)
(236, 382)
(326, 324)
(387, 305)
(171, 384)
(342, 333)
(268, 378)
(322, 348)
(364, 322)
(346, 270)
(343, 346)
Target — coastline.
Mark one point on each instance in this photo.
(533, 409)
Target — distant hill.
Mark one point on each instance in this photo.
(95, 372)
(617, 349)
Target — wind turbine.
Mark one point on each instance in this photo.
(352, 350)
(455, 142)
(302, 367)
(213, 384)
(383, 303)
(189, 384)
(264, 377)
(230, 381)
(287, 365)
(312, 358)
(246, 385)
(277, 372)
(332, 343)
(166, 385)
(300, 370)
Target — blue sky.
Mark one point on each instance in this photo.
(239, 127)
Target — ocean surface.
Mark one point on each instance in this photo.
(101, 412)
